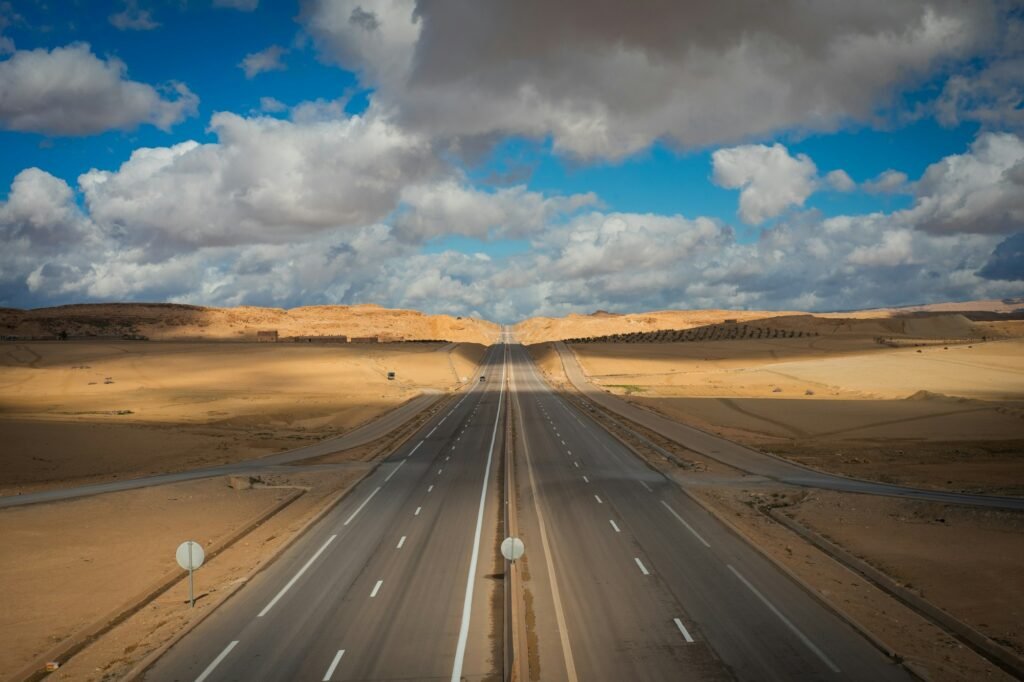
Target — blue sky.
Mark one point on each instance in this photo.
(537, 160)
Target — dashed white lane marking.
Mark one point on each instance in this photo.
(360, 507)
(614, 526)
(586, 480)
(216, 661)
(394, 471)
(439, 471)
(400, 543)
(771, 607)
(295, 577)
(643, 569)
(334, 664)
(646, 486)
(682, 629)
(376, 589)
(568, 452)
(447, 457)
(417, 512)
(576, 464)
(596, 497)
(683, 521)
(430, 488)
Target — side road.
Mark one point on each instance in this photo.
(758, 463)
(361, 435)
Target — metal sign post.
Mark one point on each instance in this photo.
(190, 556)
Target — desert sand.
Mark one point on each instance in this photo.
(72, 411)
(915, 400)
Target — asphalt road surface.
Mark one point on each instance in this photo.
(396, 583)
(759, 463)
(629, 579)
(634, 581)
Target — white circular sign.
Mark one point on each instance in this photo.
(190, 555)
(512, 548)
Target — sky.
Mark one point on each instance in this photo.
(507, 160)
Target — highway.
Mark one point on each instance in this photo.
(649, 586)
(395, 583)
(758, 463)
(630, 580)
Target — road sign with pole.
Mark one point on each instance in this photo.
(512, 548)
(190, 556)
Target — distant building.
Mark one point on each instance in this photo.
(269, 336)
(335, 338)
(364, 339)
(730, 321)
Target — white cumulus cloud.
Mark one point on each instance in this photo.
(770, 180)
(70, 91)
(263, 180)
(979, 191)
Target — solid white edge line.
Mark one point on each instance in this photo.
(682, 629)
(683, 521)
(376, 588)
(460, 650)
(771, 607)
(415, 448)
(295, 577)
(611, 521)
(394, 471)
(360, 507)
(431, 432)
(643, 569)
(334, 664)
(400, 543)
(216, 661)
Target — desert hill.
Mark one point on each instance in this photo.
(969, 320)
(168, 321)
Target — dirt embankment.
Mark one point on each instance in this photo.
(166, 321)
